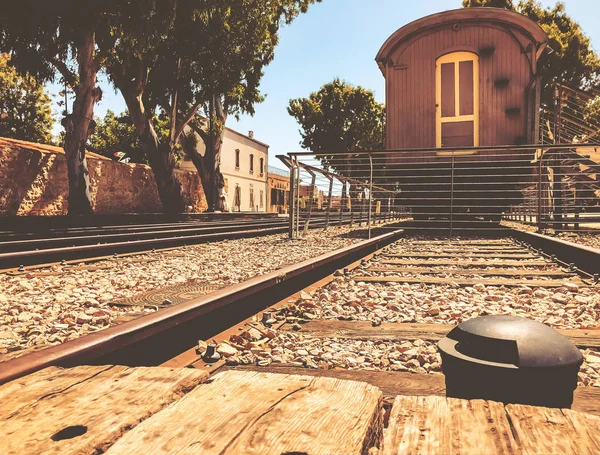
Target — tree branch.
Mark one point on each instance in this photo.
(188, 118)
(69, 76)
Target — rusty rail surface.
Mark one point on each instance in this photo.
(165, 328)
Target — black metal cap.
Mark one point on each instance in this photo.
(510, 342)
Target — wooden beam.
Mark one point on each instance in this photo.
(462, 281)
(364, 330)
(457, 262)
(394, 383)
(101, 401)
(246, 412)
(461, 256)
(474, 271)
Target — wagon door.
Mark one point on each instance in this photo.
(457, 100)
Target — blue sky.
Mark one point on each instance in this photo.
(337, 38)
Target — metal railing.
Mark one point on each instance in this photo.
(550, 186)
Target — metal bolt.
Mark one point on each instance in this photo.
(363, 262)
(572, 267)
(553, 257)
(211, 354)
(267, 318)
(115, 255)
(21, 268)
(154, 250)
(63, 262)
(346, 271)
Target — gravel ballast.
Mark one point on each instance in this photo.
(50, 306)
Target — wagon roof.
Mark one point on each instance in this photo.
(494, 15)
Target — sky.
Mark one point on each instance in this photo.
(335, 38)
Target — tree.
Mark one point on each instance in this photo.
(186, 58)
(25, 107)
(338, 120)
(115, 137)
(572, 60)
(47, 39)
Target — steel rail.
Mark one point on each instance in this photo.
(100, 344)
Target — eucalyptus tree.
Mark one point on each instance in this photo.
(56, 40)
(187, 58)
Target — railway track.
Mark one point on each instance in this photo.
(362, 302)
(83, 243)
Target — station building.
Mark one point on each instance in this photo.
(244, 164)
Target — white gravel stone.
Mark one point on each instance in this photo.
(64, 302)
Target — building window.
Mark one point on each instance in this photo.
(251, 198)
(237, 198)
(237, 159)
(251, 164)
(260, 200)
(262, 167)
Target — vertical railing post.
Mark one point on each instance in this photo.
(329, 197)
(343, 202)
(311, 200)
(370, 191)
(297, 199)
(452, 195)
(291, 199)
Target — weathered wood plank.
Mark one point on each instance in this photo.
(470, 264)
(26, 391)
(462, 281)
(438, 425)
(364, 330)
(242, 412)
(434, 254)
(391, 383)
(554, 431)
(394, 383)
(107, 401)
(474, 271)
(460, 251)
(462, 242)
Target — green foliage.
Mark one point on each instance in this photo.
(338, 119)
(115, 137)
(572, 60)
(506, 4)
(25, 107)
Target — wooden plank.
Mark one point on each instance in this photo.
(458, 262)
(107, 401)
(462, 281)
(438, 425)
(434, 254)
(461, 242)
(474, 271)
(388, 331)
(391, 383)
(554, 431)
(243, 412)
(394, 383)
(460, 248)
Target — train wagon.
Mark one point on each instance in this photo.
(457, 82)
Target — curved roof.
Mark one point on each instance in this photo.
(497, 15)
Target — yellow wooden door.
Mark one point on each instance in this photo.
(457, 100)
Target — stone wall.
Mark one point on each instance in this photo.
(34, 182)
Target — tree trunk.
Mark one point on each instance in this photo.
(78, 128)
(160, 156)
(208, 165)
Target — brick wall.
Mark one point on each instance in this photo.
(35, 183)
